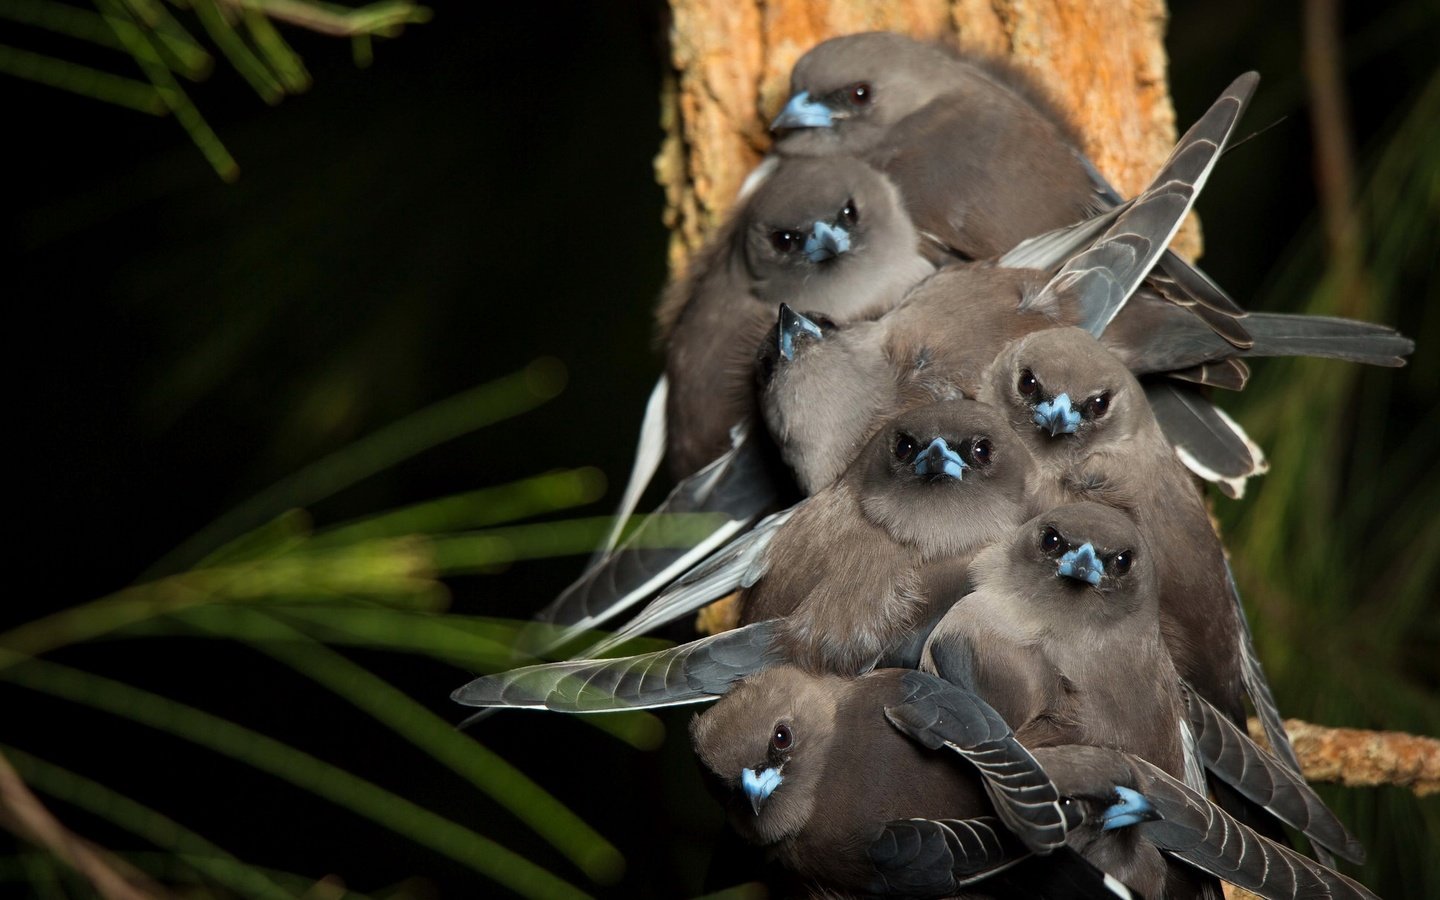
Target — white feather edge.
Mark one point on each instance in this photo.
(648, 453)
(1235, 484)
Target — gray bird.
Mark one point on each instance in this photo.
(980, 155)
(838, 584)
(810, 770)
(938, 342)
(1091, 432)
(1085, 419)
(1061, 635)
(828, 235)
(1132, 809)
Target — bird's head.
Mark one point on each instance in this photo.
(764, 746)
(845, 92)
(1078, 564)
(829, 235)
(1062, 391)
(943, 476)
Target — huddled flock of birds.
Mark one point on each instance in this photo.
(947, 397)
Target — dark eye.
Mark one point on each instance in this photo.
(905, 448)
(825, 323)
(850, 214)
(1050, 540)
(787, 241)
(860, 94)
(981, 452)
(780, 738)
(1027, 384)
(1097, 405)
(1122, 561)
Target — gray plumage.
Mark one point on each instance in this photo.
(691, 673)
(938, 341)
(713, 318)
(810, 770)
(1061, 635)
(857, 568)
(981, 157)
(1115, 453)
(1186, 827)
(837, 585)
(1233, 757)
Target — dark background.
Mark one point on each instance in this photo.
(480, 196)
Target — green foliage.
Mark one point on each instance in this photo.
(164, 51)
(1338, 551)
(292, 593)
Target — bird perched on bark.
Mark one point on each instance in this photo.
(982, 158)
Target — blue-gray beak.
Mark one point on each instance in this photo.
(1057, 416)
(792, 324)
(826, 241)
(939, 461)
(759, 784)
(802, 112)
(1130, 808)
(1082, 565)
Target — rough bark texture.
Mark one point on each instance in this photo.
(1358, 758)
(1104, 60)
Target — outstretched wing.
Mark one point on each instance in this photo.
(1230, 755)
(690, 673)
(1103, 277)
(736, 489)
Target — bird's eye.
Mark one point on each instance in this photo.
(981, 452)
(860, 94)
(1050, 540)
(781, 738)
(850, 213)
(787, 241)
(824, 323)
(1027, 384)
(1122, 561)
(905, 448)
(1097, 405)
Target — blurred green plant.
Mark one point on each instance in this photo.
(292, 592)
(1338, 552)
(165, 51)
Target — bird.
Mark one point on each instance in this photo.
(830, 234)
(1087, 424)
(838, 584)
(810, 769)
(981, 155)
(707, 419)
(1089, 428)
(1132, 810)
(939, 340)
(1061, 635)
